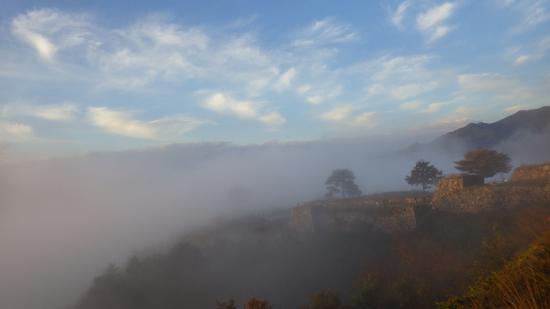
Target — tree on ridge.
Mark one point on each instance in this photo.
(484, 163)
(423, 174)
(341, 183)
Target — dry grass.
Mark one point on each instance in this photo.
(523, 283)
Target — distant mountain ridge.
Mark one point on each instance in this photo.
(489, 135)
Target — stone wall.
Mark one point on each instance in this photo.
(301, 219)
(530, 185)
(396, 211)
(494, 196)
(388, 213)
(454, 183)
(530, 172)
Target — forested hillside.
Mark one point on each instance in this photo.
(260, 257)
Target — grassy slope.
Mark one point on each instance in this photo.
(524, 282)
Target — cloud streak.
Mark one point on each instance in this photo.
(15, 131)
(431, 21)
(240, 76)
(346, 115)
(53, 112)
(122, 123)
(49, 31)
(222, 103)
(397, 16)
(325, 32)
(530, 13)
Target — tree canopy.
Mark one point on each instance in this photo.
(423, 174)
(342, 183)
(325, 299)
(484, 163)
(230, 304)
(255, 303)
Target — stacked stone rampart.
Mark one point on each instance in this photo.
(396, 211)
(388, 213)
(506, 196)
(451, 184)
(529, 185)
(531, 172)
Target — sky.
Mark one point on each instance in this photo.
(110, 75)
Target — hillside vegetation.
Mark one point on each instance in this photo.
(261, 257)
(466, 246)
(524, 282)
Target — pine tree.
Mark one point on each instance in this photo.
(342, 182)
(423, 174)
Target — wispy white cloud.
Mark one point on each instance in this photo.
(400, 68)
(345, 115)
(173, 127)
(412, 90)
(456, 117)
(434, 107)
(337, 114)
(155, 51)
(311, 66)
(319, 95)
(56, 112)
(498, 91)
(223, 103)
(444, 125)
(435, 15)
(438, 33)
(150, 51)
(146, 52)
(272, 119)
(504, 3)
(49, 31)
(43, 46)
(485, 82)
(522, 59)
(515, 108)
(397, 15)
(497, 86)
(285, 79)
(122, 123)
(412, 105)
(365, 119)
(15, 131)
(430, 21)
(400, 78)
(529, 52)
(325, 32)
(530, 13)
(418, 107)
(245, 109)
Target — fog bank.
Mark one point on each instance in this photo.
(62, 221)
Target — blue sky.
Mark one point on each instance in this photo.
(100, 76)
